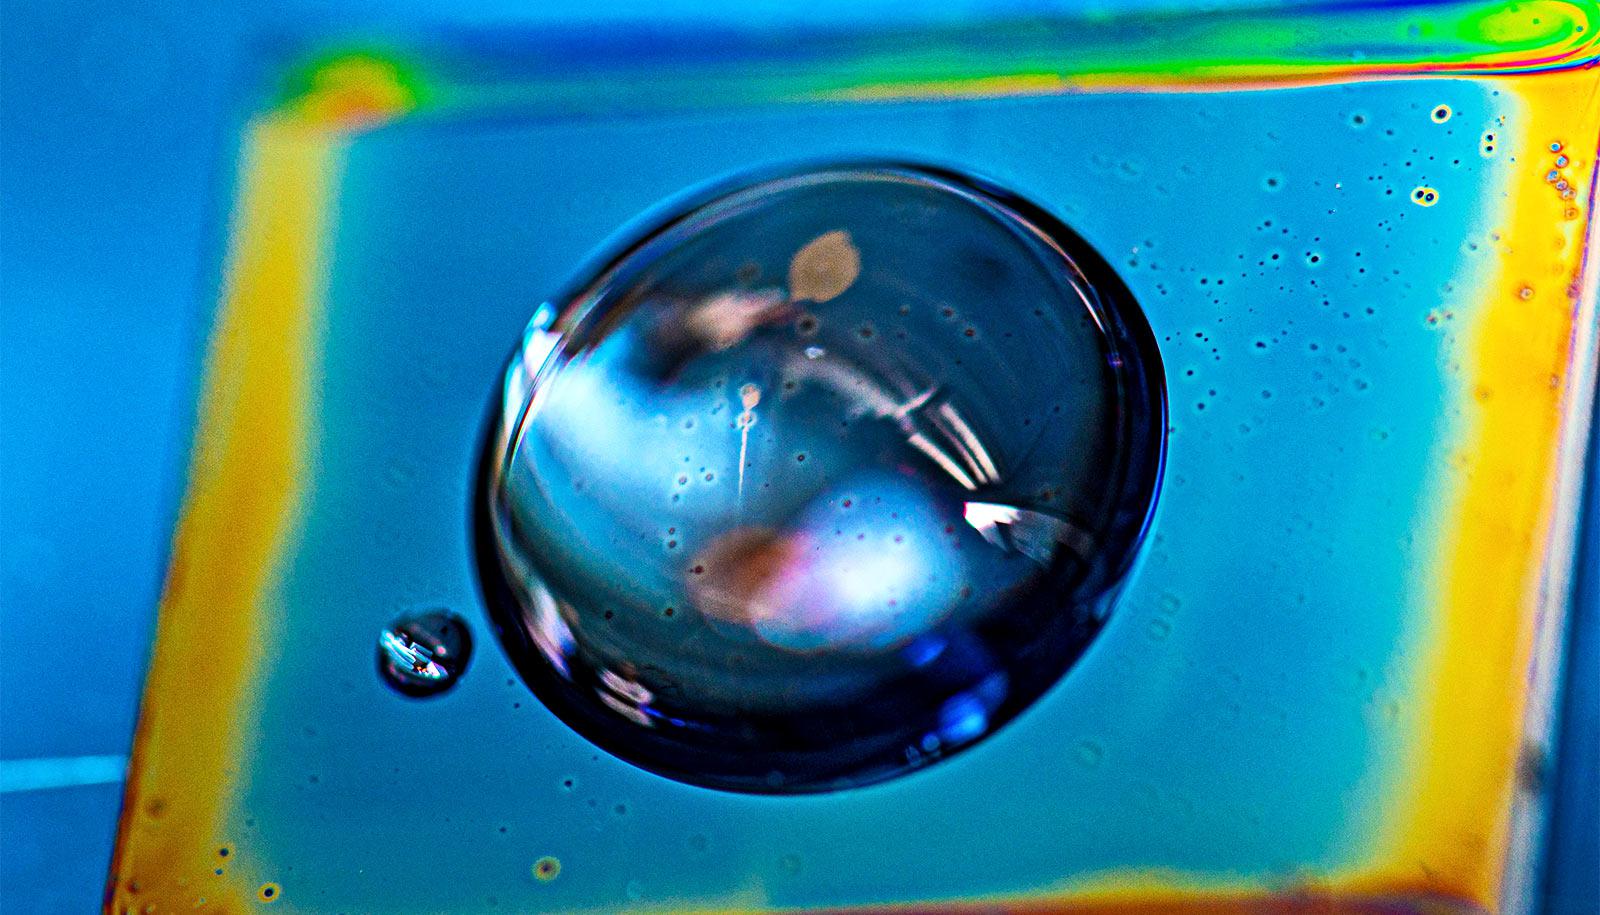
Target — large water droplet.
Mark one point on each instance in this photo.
(820, 481)
(424, 654)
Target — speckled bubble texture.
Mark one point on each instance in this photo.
(1256, 725)
(1267, 625)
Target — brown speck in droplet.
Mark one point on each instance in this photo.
(824, 268)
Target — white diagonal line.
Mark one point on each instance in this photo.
(60, 772)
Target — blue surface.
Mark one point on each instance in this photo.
(110, 130)
(55, 848)
(113, 160)
(1572, 881)
(1214, 695)
(113, 139)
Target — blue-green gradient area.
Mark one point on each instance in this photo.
(1238, 720)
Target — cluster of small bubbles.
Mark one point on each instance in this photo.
(1440, 114)
(930, 466)
(1560, 181)
(1424, 196)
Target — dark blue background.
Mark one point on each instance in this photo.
(113, 148)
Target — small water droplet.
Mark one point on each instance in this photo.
(424, 654)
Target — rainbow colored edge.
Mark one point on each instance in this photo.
(1506, 558)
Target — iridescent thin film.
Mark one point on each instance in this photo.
(1357, 235)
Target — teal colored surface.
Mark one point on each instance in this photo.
(116, 150)
(1224, 723)
(117, 133)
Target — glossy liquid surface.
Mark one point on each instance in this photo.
(1318, 682)
(822, 481)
